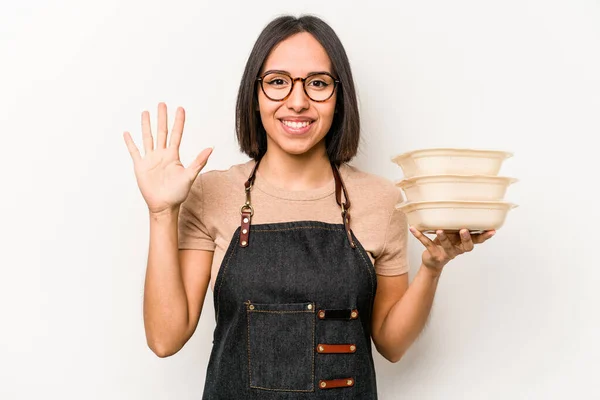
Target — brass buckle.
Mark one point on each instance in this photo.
(247, 207)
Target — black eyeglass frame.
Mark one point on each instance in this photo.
(260, 79)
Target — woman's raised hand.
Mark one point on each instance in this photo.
(161, 177)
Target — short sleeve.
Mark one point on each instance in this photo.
(192, 233)
(393, 259)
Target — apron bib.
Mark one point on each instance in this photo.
(293, 304)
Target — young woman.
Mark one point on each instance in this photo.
(305, 254)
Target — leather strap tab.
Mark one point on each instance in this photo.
(345, 314)
(336, 383)
(245, 228)
(336, 348)
(247, 211)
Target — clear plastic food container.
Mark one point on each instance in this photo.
(449, 161)
(476, 216)
(455, 187)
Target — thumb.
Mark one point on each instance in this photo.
(196, 166)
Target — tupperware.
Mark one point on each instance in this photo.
(476, 216)
(449, 161)
(455, 187)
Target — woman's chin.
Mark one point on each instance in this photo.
(298, 148)
(296, 145)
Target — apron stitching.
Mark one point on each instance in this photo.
(248, 350)
(281, 312)
(313, 355)
(282, 390)
(296, 228)
(372, 298)
(221, 282)
(369, 271)
(248, 330)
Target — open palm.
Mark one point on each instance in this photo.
(448, 245)
(163, 180)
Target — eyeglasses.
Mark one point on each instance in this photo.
(278, 85)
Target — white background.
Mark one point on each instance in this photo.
(516, 319)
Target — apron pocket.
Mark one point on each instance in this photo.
(281, 354)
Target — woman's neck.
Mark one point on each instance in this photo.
(307, 171)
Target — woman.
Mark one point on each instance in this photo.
(300, 288)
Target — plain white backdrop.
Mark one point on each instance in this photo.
(517, 318)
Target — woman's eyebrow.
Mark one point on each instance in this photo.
(280, 71)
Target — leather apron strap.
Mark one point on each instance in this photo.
(247, 211)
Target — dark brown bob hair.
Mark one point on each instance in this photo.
(343, 137)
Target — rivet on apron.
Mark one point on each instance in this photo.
(244, 231)
(336, 348)
(339, 314)
(251, 306)
(336, 383)
(245, 221)
(309, 306)
(244, 243)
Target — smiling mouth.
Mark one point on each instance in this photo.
(296, 125)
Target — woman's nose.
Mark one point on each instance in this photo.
(298, 100)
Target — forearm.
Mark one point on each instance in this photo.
(407, 318)
(166, 315)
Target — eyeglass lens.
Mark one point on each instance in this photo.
(278, 85)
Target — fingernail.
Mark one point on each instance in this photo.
(464, 233)
(412, 229)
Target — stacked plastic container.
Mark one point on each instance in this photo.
(452, 189)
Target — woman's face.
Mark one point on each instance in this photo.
(297, 125)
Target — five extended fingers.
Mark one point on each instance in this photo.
(162, 132)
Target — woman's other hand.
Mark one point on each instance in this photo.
(163, 180)
(447, 246)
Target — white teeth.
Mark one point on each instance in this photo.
(296, 125)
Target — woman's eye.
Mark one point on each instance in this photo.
(318, 84)
(277, 82)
